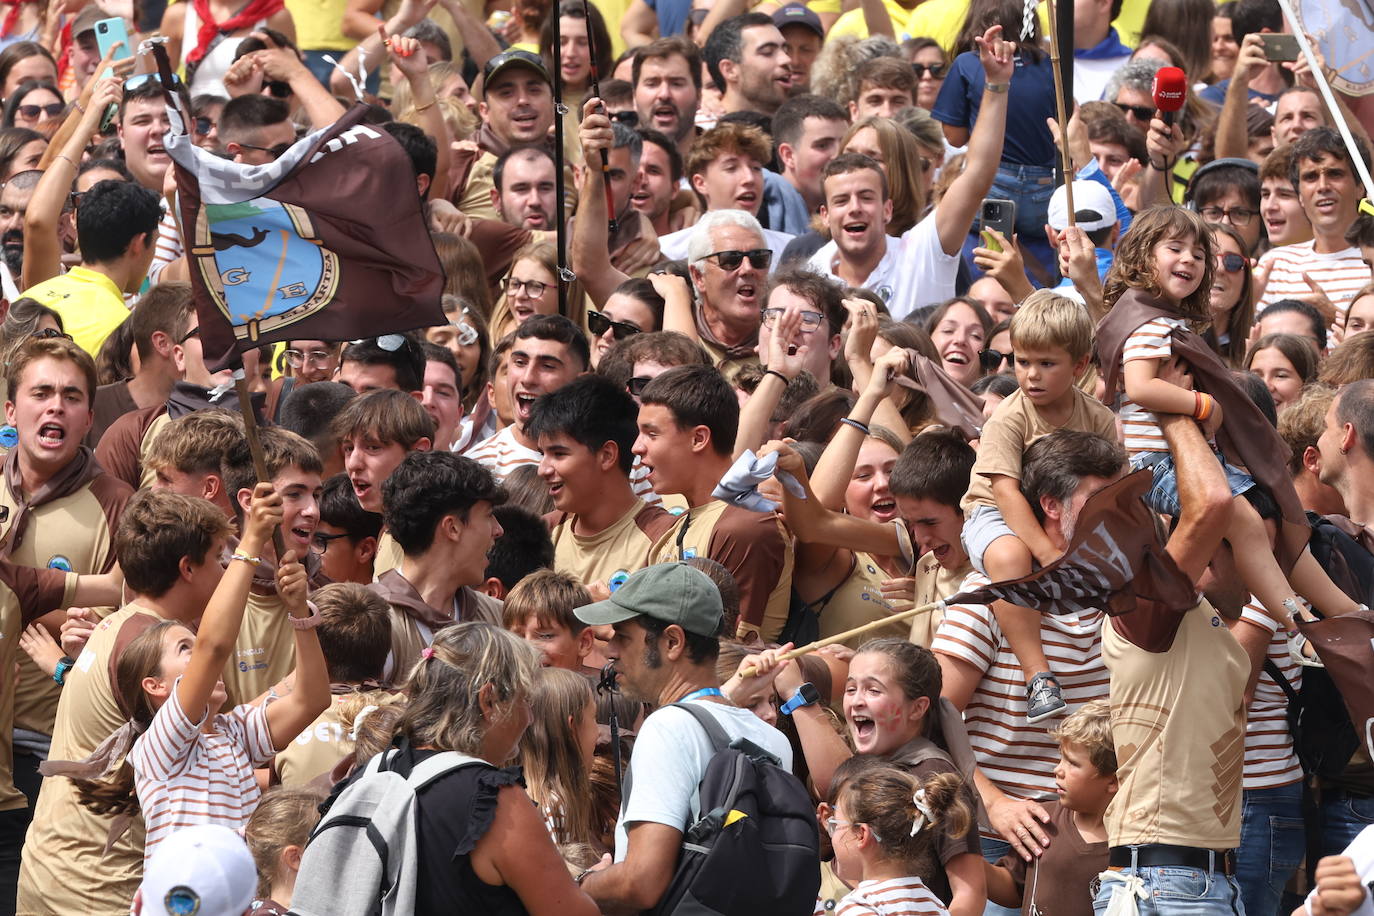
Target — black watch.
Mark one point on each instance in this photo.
(806, 695)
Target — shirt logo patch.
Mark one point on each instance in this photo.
(60, 562)
(689, 553)
(1216, 621)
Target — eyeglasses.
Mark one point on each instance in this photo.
(298, 358)
(278, 89)
(810, 321)
(636, 385)
(139, 79)
(276, 152)
(629, 118)
(319, 541)
(50, 334)
(992, 359)
(936, 71)
(1236, 216)
(388, 342)
(600, 324)
(194, 332)
(832, 824)
(467, 334)
(759, 258)
(1141, 112)
(32, 112)
(1231, 263)
(204, 126)
(532, 288)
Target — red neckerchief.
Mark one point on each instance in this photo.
(248, 16)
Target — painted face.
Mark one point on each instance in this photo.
(880, 716)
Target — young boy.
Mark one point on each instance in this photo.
(1085, 781)
(1052, 338)
(540, 611)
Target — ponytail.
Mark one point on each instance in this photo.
(905, 812)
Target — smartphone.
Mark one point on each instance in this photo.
(110, 31)
(1280, 47)
(989, 241)
(998, 214)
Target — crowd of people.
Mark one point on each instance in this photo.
(763, 324)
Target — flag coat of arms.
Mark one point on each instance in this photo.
(329, 242)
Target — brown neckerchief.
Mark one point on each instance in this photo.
(955, 406)
(398, 591)
(946, 739)
(746, 350)
(76, 474)
(1246, 437)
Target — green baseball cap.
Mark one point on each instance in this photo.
(671, 592)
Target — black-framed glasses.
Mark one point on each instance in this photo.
(1231, 263)
(600, 324)
(532, 288)
(1141, 112)
(731, 259)
(991, 360)
(810, 320)
(276, 152)
(32, 112)
(203, 126)
(194, 332)
(319, 541)
(936, 71)
(629, 117)
(637, 384)
(1236, 216)
(50, 334)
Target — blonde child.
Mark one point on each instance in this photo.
(1057, 883)
(884, 828)
(1166, 262)
(539, 609)
(1052, 338)
(556, 754)
(276, 836)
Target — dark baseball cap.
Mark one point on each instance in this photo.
(670, 592)
(797, 14)
(86, 19)
(513, 57)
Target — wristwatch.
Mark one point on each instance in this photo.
(64, 665)
(806, 695)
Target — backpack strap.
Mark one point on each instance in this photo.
(719, 739)
(1276, 674)
(431, 768)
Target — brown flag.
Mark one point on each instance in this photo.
(1114, 559)
(955, 406)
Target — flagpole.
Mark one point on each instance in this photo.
(596, 92)
(1059, 91)
(250, 432)
(751, 671)
(565, 276)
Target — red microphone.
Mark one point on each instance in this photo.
(1170, 91)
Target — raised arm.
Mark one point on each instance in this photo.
(639, 25)
(481, 45)
(836, 464)
(1203, 493)
(282, 64)
(591, 247)
(219, 626)
(813, 523)
(410, 59)
(291, 714)
(956, 210)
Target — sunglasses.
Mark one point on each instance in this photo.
(50, 334)
(1141, 112)
(204, 126)
(32, 112)
(637, 384)
(628, 118)
(936, 71)
(759, 258)
(1231, 263)
(276, 152)
(991, 360)
(278, 89)
(140, 79)
(600, 324)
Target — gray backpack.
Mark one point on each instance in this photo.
(360, 860)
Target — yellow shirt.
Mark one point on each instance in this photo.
(90, 305)
(938, 19)
(319, 24)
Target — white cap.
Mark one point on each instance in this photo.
(205, 870)
(1087, 195)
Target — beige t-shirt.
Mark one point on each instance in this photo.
(622, 548)
(859, 600)
(933, 582)
(65, 868)
(1013, 426)
(388, 556)
(323, 743)
(1178, 722)
(264, 653)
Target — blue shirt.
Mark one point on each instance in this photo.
(672, 15)
(785, 206)
(1028, 140)
(1108, 47)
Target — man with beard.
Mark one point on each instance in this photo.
(14, 204)
(667, 89)
(524, 185)
(747, 60)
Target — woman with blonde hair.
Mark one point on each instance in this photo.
(531, 288)
(557, 752)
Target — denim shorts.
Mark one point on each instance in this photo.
(1163, 495)
(983, 526)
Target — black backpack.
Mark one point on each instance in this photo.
(755, 848)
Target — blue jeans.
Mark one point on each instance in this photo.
(1163, 495)
(1343, 816)
(994, 850)
(1031, 186)
(1175, 890)
(1272, 845)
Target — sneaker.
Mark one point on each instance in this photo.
(1044, 698)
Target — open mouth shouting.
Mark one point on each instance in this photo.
(51, 436)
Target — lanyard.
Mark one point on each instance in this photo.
(703, 692)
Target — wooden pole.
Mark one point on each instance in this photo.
(250, 431)
(850, 634)
(1059, 91)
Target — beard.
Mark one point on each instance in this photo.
(12, 252)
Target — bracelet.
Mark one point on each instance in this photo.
(1197, 403)
(79, 107)
(1166, 167)
(306, 623)
(64, 664)
(785, 379)
(1000, 88)
(847, 421)
(251, 561)
(1205, 404)
(429, 104)
(68, 158)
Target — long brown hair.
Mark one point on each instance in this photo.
(901, 158)
(1134, 266)
(884, 798)
(1242, 314)
(555, 775)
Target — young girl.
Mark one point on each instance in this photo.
(189, 765)
(1166, 262)
(276, 836)
(556, 754)
(885, 829)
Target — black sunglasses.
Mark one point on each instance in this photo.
(730, 259)
(204, 126)
(637, 384)
(1232, 263)
(629, 118)
(52, 110)
(991, 360)
(50, 334)
(600, 324)
(1141, 112)
(276, 152)
(936, 71)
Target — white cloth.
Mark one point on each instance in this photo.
(670, 757)
(740, 485)
(915, 270)
(1361, 852)
(674, 245)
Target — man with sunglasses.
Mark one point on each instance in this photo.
(256, 129)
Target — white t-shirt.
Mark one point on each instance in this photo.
(670, 757)
(673, 246)
(1361, 852)
(915, 271)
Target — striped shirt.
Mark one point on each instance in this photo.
(1019, 757)
(1270, 760)
(185, 777)
(168, 247)
(1340, 275)
(1138, 425)
(893, 897)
